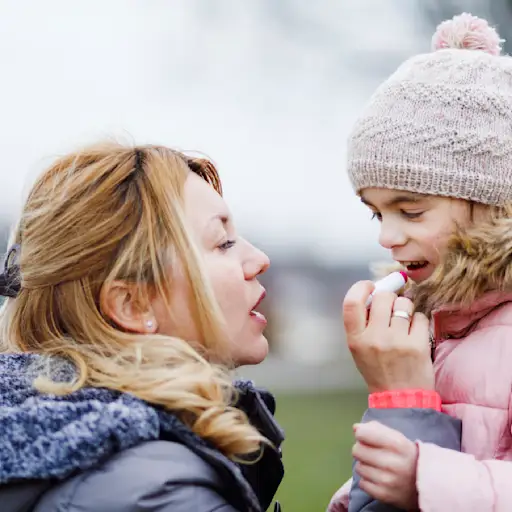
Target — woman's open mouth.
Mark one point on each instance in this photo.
(259, 317)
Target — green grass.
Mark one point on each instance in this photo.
(317, 449)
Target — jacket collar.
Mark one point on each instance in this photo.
(475, 276)
(265, 476)
(454, 321)
(107, 422)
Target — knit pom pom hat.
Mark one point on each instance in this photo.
(442, 123)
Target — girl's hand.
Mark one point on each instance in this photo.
(391, 352)
(386, 462)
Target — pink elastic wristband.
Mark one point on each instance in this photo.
(405, 399)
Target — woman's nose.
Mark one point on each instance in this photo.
(256, 263)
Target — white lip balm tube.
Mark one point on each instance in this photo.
(391, 283)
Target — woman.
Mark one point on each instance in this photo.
(130, 295)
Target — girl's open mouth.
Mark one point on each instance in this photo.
(414, 265)
(418, 270)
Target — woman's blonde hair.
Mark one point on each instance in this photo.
(111, 213)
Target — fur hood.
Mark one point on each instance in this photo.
(478, 261)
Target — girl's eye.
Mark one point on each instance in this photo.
(411, 215)
(377, 216)
(227, 245)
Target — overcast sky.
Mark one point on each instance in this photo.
(268, 89)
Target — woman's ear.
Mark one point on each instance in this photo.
(120, 302)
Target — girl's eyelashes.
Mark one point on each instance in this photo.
(407, 215)
(411, 215)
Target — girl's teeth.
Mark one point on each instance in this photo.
(257, 314)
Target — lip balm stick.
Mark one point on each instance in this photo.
(391, 283)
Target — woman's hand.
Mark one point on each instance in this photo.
(386, 462)
(391, 352)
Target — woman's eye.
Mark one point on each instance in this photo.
(227, 245)
(377, 216)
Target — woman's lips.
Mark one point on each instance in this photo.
(258, 317)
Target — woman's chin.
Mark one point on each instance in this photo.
(252, 352)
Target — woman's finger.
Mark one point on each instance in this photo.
(354, 307)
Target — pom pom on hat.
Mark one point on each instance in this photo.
(467, 32)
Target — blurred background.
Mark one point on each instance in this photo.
(268, 89)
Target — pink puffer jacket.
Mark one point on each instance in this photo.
(473, 365)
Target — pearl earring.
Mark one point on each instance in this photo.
(149, 324)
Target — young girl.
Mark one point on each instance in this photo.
(431, 157)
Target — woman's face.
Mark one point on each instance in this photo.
(233, 266)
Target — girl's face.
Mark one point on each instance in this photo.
(415, 227)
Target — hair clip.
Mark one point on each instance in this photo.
(10, 284)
